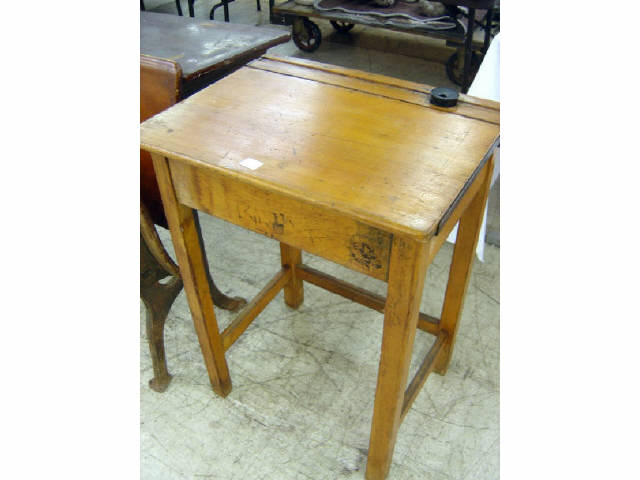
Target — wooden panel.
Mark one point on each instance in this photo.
(159, 85)
(159, 89)
(387, 163)
(299, 224)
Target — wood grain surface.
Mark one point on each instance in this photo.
(160, 82)
(389, 87)
(380, 160)
(314, 229)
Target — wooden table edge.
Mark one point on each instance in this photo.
(285, 37)
(415, 234)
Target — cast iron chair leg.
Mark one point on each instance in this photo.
(219, 299)
(155, 264)
(157, 299)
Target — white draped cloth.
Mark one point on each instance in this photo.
(486, 85)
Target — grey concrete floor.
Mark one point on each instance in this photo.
(304, 381)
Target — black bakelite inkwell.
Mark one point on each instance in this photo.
(444, 97)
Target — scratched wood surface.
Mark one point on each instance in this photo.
(316, 230)
(352, 149)
(200, 46)
(404, 90)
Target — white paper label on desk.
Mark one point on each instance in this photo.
(251, 163)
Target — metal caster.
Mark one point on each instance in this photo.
(306, 34)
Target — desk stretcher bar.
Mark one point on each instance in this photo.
(347, 290)
(254, 307)
(359, 295)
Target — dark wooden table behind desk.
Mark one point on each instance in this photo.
(205, 50)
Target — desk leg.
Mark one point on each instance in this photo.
(460, 270)
(193, 270)
(293, 291)
(407, 269)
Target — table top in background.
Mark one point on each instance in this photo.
(200, 46)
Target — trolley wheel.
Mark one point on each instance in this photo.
(455, 67)
(342, 27)
(306, 35)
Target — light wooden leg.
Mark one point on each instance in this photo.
(293, 290)
(460, 270)
(193, 270)
(407, 269)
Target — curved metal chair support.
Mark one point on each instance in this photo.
(155, 265)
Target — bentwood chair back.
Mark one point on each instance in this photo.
(160, 87)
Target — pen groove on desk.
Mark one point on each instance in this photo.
(421, 104)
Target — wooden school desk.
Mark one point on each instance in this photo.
(357, 168)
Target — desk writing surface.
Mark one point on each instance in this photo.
(372, 151)
(199, 45)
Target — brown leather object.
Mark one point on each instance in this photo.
(160, 84)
